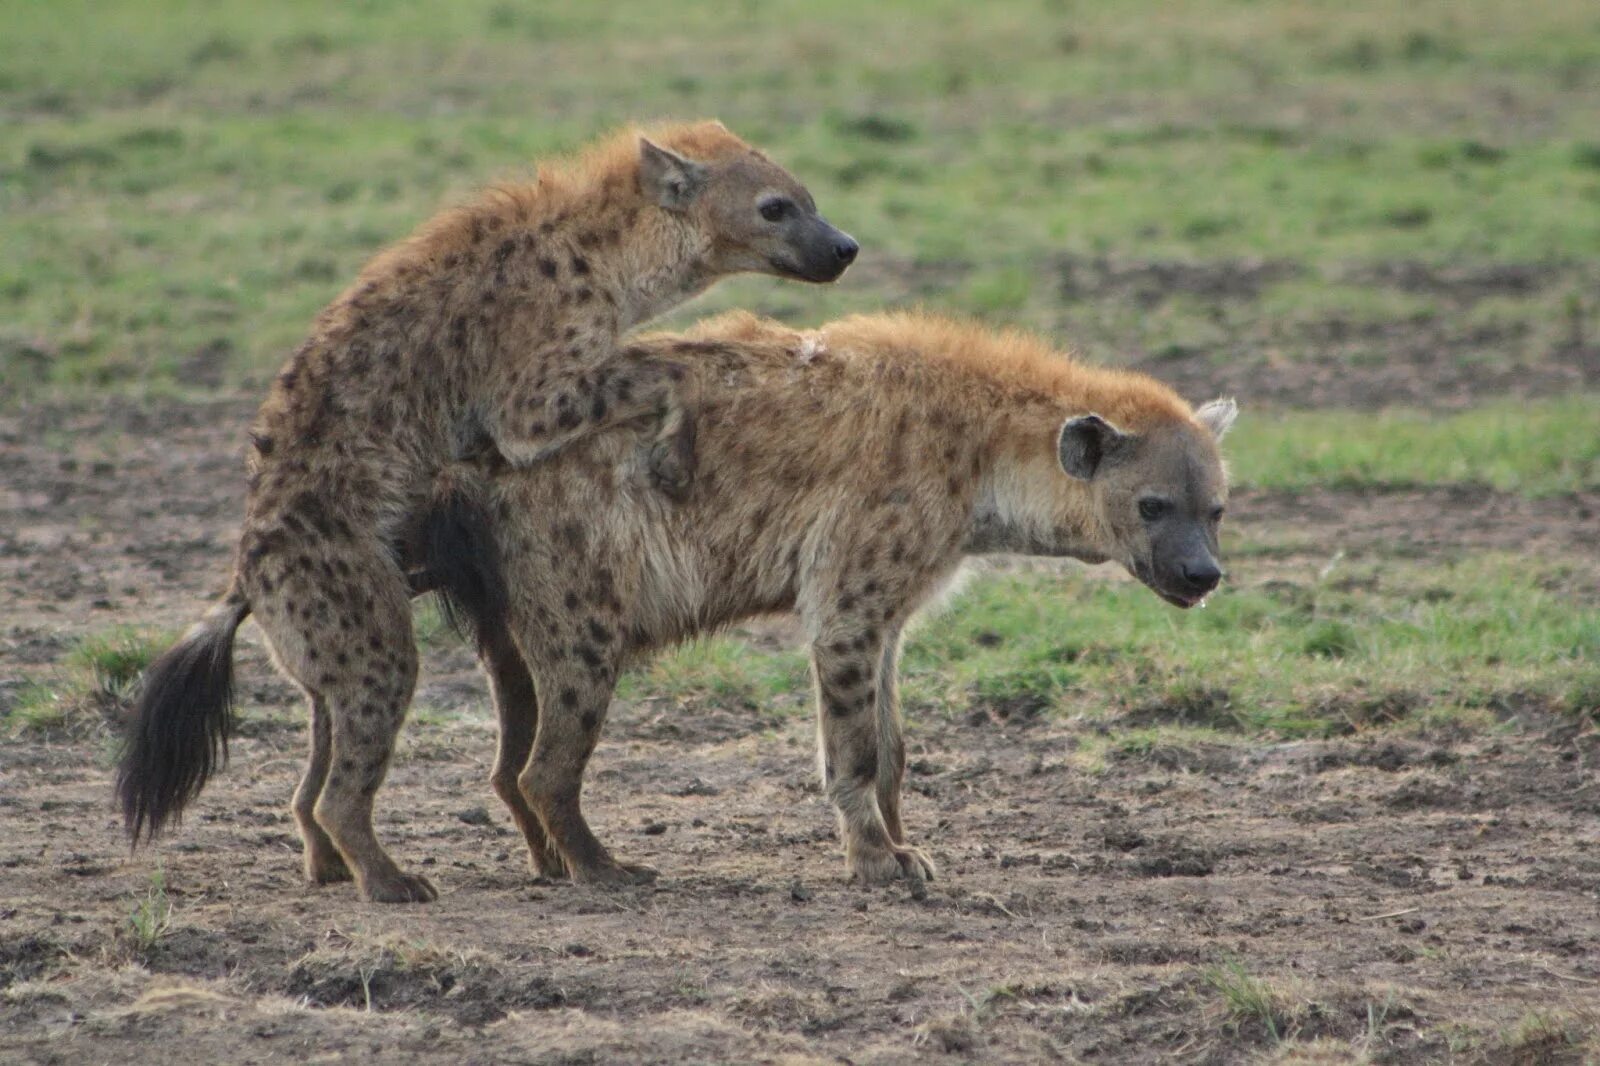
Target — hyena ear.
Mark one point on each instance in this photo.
(667, 178)
(1084, 443)
(1218, 416)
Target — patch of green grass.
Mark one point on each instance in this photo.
(726, 672)
(1535, 448)
(39, 709)
(97, 682)
(1371, 644)
(429, 624)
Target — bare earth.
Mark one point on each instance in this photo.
(1418, 896)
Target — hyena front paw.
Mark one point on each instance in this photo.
(878, 866)
(672, 461)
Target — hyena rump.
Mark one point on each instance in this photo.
(843, 474)
(496, 325)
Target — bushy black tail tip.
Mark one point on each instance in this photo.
(178, 731)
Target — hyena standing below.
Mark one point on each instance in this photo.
(842, 474)
(497, 324)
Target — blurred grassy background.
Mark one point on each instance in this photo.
(185, 184)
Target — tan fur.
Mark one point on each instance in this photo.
(496, 325)
(843, 474)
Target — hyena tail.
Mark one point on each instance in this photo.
(178, 733)
(461, 558)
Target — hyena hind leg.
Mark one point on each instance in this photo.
(571, 714)
(323, 863)
(348, 643)
(517, 706)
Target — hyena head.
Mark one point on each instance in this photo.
(750, 213)
(1158, 496)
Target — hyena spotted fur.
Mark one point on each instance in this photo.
(496, 326)
(843, 475)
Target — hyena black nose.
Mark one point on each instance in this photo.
(1202, 577)
(845, 249)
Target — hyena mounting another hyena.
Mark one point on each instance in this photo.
(842, 474)
(498, 324)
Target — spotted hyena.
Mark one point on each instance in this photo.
(496, 326)
(843, 475)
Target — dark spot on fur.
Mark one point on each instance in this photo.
(547, 266)
(599, 633)
(580, 265)
(571, 600)
(847, 677)
(591, 720)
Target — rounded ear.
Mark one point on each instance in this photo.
(1218, 416)
(668, 178)
(1084, 443)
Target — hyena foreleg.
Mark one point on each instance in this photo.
(547, 412)
(845, 660)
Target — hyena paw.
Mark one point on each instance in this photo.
(672, 461)
(327, 869)
(615, 874)
(878, 866)
(549, 865)
(668, 475)
(399, 888)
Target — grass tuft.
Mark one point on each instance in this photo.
(151, 917)
(1250, 1000)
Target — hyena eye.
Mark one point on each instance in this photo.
(1216, 514)
(1152, 509)
(776, 209)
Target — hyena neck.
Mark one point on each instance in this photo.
(658, 265)
(1018, 507)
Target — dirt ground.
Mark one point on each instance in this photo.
(1414, 899)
